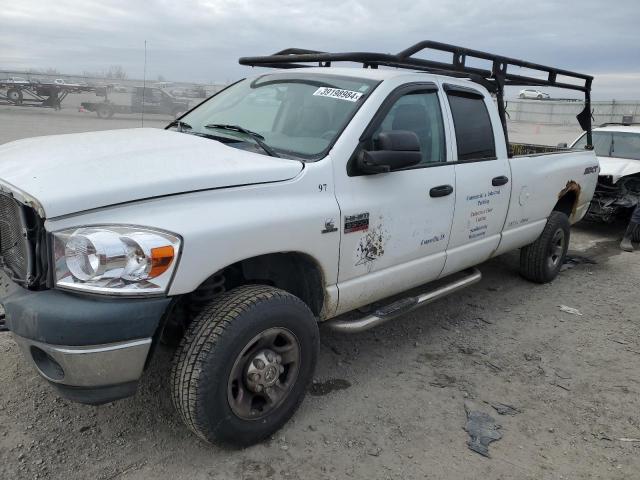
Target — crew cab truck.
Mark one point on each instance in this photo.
(288, 199)
(143, 100)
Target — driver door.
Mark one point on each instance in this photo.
(395, 226)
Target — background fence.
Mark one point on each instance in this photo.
(562, 112)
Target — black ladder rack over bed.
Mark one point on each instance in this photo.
(494, 79)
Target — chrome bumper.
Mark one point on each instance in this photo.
(87, 366)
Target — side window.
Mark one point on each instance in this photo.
(474, 133)
(626, 145)
(418, 112)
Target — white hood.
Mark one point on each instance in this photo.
(618, 167)
(70, 173)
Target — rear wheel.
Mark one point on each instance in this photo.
(541, 261)
(243, 367)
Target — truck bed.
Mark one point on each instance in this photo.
(527, 149)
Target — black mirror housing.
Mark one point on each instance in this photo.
(396, 149)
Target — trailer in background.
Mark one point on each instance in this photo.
(26, 93)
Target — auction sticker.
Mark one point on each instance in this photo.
(348, 95)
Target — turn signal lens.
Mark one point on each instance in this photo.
(161, 258)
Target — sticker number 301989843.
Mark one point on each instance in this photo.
(348, 95)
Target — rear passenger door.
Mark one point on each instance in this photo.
(483, 183)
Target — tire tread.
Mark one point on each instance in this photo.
(533, 257)
(201, 337)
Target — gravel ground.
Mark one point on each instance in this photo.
(390, 403)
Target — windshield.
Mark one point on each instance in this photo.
(613, 144)
(296, 115)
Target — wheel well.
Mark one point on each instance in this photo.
(567, 203)
(297, 273)
(294, 272)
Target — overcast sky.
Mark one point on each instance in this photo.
(201, 40)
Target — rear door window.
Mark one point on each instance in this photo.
(474, 133)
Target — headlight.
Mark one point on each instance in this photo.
(115, 260)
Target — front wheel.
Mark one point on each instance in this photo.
(541, 261)
(104, 111)
(243, 367)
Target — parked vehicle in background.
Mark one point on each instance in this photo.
(287, 199)
(193, 92)
(530, 93)
(16, 80)
(617, 147)
(147, 100)
(118, 88)
(162, 84)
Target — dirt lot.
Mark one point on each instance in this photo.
(390, 403)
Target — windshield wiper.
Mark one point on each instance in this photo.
(259, 139)
(180, 124)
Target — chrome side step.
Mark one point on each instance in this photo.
(404, 305)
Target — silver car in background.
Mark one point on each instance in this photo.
(535, 94)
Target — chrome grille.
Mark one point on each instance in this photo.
(14, 245)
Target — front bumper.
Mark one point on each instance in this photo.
(92, 349)
(88, 366)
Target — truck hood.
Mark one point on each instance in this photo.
(618, 167)
(64, 174)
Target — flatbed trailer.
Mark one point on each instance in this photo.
(36, 94)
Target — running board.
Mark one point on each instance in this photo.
(404, 305)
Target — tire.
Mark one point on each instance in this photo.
(541, 261)
(104, 111)
(15, 96)
(212, 368)
(521, 95)
(539, 97)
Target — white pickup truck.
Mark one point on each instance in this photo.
(288, 199)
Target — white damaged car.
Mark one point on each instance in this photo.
(617, 147)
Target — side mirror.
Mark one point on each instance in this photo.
(396, 149)
(562, 145)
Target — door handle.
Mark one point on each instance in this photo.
(441, 191)
(498, 181)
